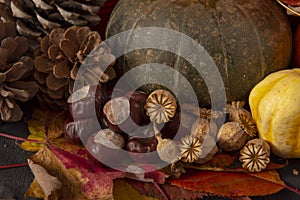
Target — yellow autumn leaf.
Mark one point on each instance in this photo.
(123, 191)
(37, 131)
(35, 190)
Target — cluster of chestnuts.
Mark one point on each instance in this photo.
(139, 123)
(104, 120)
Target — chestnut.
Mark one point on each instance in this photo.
(123, 114)
(83, 102)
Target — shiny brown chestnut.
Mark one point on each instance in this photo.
(87, 100)
(124, 114)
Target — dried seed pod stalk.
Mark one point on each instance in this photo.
(15, 70)
(203, 127)
(167, 149)
(231, 136)
(190, 148)
(36, 18)
(255, 155)
(216, 116)
(160, 106)
(60, 56)
(209, 149)
(237, 113)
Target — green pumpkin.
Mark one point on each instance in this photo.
(247, 40)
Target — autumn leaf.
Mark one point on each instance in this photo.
(56, 126)
(231, 184)
(35, 190)
(165, 191)
(44, 126)
(229, 162)
(124, 191)
(80, 178)
(48, 184)
(37, 131)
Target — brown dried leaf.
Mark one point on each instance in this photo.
(56, 127)
(54, 83)
(35, 190)
(43, 64)
(61, 70)
(231, 184)
(49, 184)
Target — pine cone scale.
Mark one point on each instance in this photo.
(3, 58)
(54, 83)
(22, 47)
(40, 77)
(43, 64)
(17, 70)
(69, 48)
(61, 70)
(30, 87)
(56, 94)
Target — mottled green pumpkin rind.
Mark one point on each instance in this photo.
(247, 40)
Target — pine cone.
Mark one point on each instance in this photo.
(36, 18)
(61, 54)
(15, 69)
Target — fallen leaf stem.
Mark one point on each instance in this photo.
(13, 166)
(161, 191)
(283, 185)
(20, 138)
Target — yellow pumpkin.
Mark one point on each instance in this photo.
(275, 106)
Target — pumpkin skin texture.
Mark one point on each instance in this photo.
(247, 39)
(275, 106)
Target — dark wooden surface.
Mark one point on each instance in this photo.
(14, 182)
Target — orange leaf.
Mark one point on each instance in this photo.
(56, 127)
(229, 162)
(231, 184)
